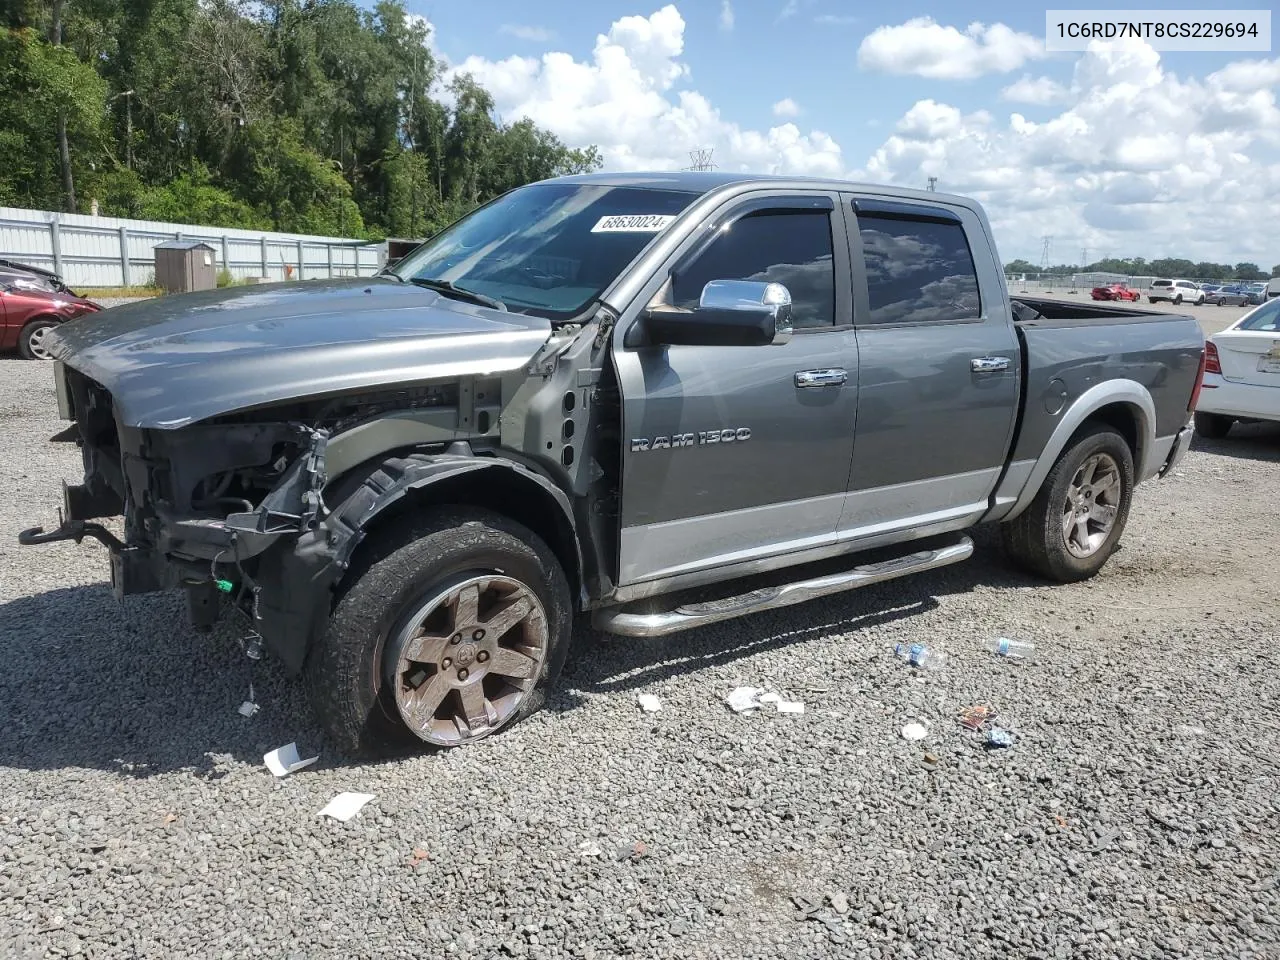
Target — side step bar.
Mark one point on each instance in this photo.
(616, 620)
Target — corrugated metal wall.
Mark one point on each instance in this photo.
(110, 251)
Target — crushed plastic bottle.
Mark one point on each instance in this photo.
(920, 656)
(1013, 649)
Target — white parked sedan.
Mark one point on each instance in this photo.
(1241, 372)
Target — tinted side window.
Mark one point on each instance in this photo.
(918, 270)
(791, 247)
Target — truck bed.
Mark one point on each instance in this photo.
(1068, 348)
(1059, 313)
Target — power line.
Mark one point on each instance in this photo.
(1044, 253)
(701, 158)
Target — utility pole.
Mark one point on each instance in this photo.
(128, 125)
(933, 182)
(64, 149)
(701, 158)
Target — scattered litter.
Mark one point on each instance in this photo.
(247, 709)
(649, 703)
(742, 699)
(345, 805)
(283, 761)
(1012, 649)
(589, 848)
(1183, 730)
(170, 818)
(920, 656)
(915, 731)
(633, 851)
(996, 737)
(974, 718)
(930, 759)
(419, 855)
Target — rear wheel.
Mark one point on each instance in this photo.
(32, 343)
(1151, 299)
(1075, 522)
(448, 631)
(1213, 426)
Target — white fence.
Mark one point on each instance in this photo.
(112, 252)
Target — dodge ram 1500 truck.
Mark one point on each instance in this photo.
(661, 400)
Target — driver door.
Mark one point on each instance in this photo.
(736, 454)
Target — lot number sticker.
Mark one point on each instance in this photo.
(632, 223)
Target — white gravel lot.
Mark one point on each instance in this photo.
(1134, 816)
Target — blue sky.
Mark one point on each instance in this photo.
(1100, 148)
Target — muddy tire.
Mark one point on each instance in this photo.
(443, 632)
(1076, 520)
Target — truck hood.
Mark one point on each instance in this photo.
(172, 361)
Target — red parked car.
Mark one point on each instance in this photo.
(1116, 291)
(27, 316)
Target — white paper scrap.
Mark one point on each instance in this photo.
(283, 761)
(649, 703)
(769, 698)
(247, 709)
(914, 731)
(790, 706)
(345, 805)
(744, 698)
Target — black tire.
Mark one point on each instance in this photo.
(1034, 539)
(27, 349)
(1177, 301)
(1213, 426)
(1151, 299)
(347, 676)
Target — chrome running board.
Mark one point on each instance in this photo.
(685, 616)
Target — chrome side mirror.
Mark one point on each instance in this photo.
(752, 296)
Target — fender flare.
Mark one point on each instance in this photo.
(295, 607)
(1128, 392)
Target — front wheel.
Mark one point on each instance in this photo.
(33, 340)
(1075, 522)
(1213, 426)
(1177, 301)
(447, 631)
(1151, 299)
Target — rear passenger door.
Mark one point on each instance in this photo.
(938, 367)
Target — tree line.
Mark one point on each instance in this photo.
(310, 116)
(1167, 267)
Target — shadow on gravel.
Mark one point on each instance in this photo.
(130, 688)
(614, 665)
(1246, 441)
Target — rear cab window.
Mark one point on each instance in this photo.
(919, 268)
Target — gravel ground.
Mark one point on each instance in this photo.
(1134, 816)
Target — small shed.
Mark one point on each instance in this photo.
(185, 265)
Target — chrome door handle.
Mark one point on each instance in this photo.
(989, 364)
(832, 377)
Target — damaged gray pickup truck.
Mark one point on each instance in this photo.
(661, 400)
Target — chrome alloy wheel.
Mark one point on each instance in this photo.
(1093, 500)
(36, 338)
(468, 657)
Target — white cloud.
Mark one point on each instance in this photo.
(1040, 91)
(626, 99)
(786, 107)
(523, 32)
(1132, 146)
(835, 19)
(726, 15)
(789, 9)
(923, 47)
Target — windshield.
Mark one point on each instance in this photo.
(547, 249)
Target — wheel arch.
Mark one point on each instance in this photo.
(1125, 405)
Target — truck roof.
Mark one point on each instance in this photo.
(706, 181)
